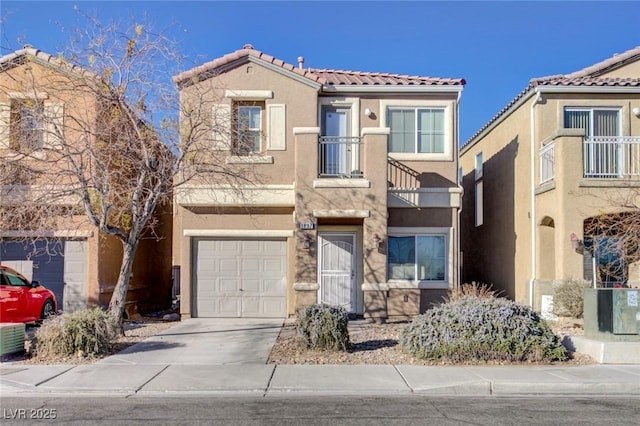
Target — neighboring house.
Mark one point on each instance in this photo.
(545, 175)
(38, 95)
(357, 199)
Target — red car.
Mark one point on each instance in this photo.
(22, 300)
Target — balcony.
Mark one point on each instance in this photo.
(547, 162)
(339, 157)
(611, 156)
(603, 157)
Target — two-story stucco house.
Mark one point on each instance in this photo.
(544, 183)
(357, 199)
(44, 111)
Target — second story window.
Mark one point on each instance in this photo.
(416, 130)
(27, 125)
(248, 139)
(594, 121)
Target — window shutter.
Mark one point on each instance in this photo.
(277, 131)
(5, 125)
(221, 126)
(54, 119)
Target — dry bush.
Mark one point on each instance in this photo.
(568, 298)
(475, 289)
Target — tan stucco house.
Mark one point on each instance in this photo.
(357, 199)
(544, 177)
(40, 98)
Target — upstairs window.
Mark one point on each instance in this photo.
(594, 121)
(28, 125)
(417, 130)
(248, 138)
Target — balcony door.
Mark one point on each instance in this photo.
(603, 151)
(334, 158)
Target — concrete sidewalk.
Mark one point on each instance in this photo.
(229, 357)
(272, 380)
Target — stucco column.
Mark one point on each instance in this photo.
(306, 164)
(375, 166)
(568, 174)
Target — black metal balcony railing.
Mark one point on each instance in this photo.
(339, 156)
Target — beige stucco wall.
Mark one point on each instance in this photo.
(499, 251)
(332, 205)
(152, 268)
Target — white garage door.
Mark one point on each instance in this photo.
(239, 278)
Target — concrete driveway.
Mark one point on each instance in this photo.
(206, 341)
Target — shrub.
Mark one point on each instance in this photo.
(323, 326)
(473, 289)
(481, 329)
(568, 298)
(86, 332)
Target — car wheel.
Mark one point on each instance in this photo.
(48, 309)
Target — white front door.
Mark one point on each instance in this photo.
(336, 270)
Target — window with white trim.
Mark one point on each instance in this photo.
(29, 124)
(248, 139)
(417, 257)
(594, 121)
(479, 204)
(416, 130)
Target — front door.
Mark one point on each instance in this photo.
(336, 270)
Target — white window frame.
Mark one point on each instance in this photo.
(479, 190)
(422, 232)
(590, 110)
(251, 130)
(446, 106)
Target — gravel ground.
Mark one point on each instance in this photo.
(378, 344)
(372, 344)
(134, 332)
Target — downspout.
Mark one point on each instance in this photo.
(459, 260)
(533, 195)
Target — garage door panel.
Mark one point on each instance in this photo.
(273, 266)
(243, 275)
(273, 287)
(250, 265)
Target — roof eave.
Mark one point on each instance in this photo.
(545, 89)
(188, 78)
(330, 88)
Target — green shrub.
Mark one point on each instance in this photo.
(481, 329)
(86, 332)
(568, 298)
(322, 326)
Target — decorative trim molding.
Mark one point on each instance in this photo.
(238, 233)
(342, 213)
(341, 183)
(250, 159)
(306, 130)
(306, 286)
(255, 95)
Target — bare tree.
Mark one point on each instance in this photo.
(121, 146)
(612, 238)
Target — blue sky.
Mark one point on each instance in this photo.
(497, 47)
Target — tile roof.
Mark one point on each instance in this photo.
(586, 77)
(22, 55)
(322, 76)
(350, 78)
